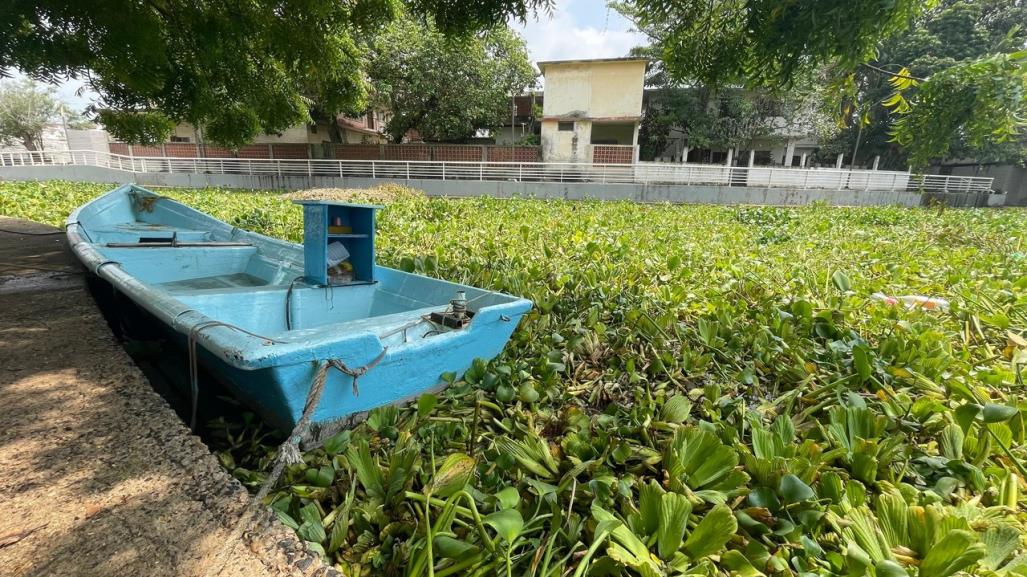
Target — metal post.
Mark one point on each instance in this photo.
(408, 169)
(443, 171)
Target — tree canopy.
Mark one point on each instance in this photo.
(977, 99)
(236, 68)
(25, 110)
(953, 35)
(725, 117)
(446, 88)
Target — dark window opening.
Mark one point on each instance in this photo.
(565, 126)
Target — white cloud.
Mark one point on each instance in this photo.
(565, 37)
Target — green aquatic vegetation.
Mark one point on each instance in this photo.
(700, 390)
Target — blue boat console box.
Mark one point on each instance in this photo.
(265, 313)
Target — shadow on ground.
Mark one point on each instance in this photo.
(101, 477)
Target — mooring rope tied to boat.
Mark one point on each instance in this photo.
(194, 381)
(289, 451)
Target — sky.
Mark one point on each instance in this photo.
(579, 29)
(576, 29)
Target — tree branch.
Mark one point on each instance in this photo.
(893, 74)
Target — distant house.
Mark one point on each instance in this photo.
(57, 137)
(787, 140)
(523, 124)
(592, 109)
(367, 128)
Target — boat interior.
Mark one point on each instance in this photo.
(249, 280)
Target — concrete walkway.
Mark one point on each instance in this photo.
(98, 476)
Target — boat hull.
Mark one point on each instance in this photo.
(263, 332)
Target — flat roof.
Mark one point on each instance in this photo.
(542, 65)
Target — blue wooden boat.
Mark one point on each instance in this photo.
(263, 314)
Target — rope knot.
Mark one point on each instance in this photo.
(359, 371)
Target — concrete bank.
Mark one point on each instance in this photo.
(640, 192)
(99, 475)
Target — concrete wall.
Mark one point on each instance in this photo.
(1012, 180)
(94, 139)
(696, 194)
(597, 89)
(566, 145)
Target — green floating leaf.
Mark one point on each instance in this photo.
(454, 473)
(508, 498)
(321, 477)
(425, 404)
(794, 490)
(508, 524)
(956, 551)
(889, 568)
(841, 281)
(674, 512)
(992, 413)
(712, 533)
(449, 548)
(676, 409)
(336, 443)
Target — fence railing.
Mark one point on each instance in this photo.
(638, 173)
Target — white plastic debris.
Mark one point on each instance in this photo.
(914, 301)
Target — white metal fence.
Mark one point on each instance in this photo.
(639, 173)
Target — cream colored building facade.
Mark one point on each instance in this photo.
(363, 129)
(592, 109)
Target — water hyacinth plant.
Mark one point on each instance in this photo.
(700, 390)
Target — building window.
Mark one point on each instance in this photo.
(179, 139)
(313, 128)
(565, 126)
